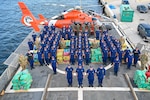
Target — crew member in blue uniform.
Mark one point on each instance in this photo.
(80, 61)
(40, 57)
(101, 74)
(97, 34)
(69, 74)
(113, 54)
(46, 57)
(30, 59)
(80, 72)
(105, 56)
(91, 73)
(120, 53)
(116, 64)
(136, 53)
(34, 36)
(126, 53)
(30, 44)
(87, 56)
(53, 27)
(63, 31)
(129, 60)
(72, 58)
(54, 64)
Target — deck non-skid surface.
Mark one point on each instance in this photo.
(115, 87)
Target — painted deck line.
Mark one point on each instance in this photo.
(78, 89)
(10, 84)
(140, 90)
(90, 89)
(80, 94)
(30, 90)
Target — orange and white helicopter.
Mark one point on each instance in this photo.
(65, 19)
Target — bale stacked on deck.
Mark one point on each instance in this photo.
(64, 44)
(66, 55)
(96, 56)
(67, 43)
(140, 79)
(60, 55)
(22, 80)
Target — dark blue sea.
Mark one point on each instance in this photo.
(12, 32)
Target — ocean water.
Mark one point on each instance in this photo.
(12, 32)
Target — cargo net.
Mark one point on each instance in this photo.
(140, 79)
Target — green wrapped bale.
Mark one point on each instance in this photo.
(16, 78)
(22, 80)
(16, 88)
(67, 43)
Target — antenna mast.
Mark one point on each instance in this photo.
(80, 3)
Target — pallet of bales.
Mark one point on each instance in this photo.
(60, 56)
(96, 55)
(66, 56)
(22, 80)
(94, 43)
(140, 79)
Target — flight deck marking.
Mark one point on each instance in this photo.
(77, 89)
(80, 94)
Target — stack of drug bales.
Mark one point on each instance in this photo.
(22, 80)
(96, 55)
(140, 79)
(66, 55)
(60, 55)
(62, 44)
(95, 44)
(67, 43)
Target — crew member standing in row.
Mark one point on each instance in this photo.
(136, 53)
(80, 72)
(91, 73)
(30, 59)
(69, 74)
(116, 66)
(101, 74)
(129, 60)
(54, 64)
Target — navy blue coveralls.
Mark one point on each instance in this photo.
(105, 55)
(100, 74)
(87, 57)
(40, 58)
(80, 76)
(72, 59)
(30, 44)
(129, 61)
(46, 56)
(91, 74)
(127, 51)
(116, 66)
(113, 55)
(53, 63)
(97, 34)
(34, 37)
(69, 75)
(136, 56)
(120, 52)
(30, 60)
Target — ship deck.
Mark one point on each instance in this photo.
(115, 87)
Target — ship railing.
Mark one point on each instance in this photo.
(13, 64)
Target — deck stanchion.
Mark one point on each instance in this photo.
(46, 87)
(130, 86)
